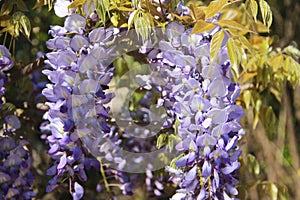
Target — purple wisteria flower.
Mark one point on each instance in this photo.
(5, 59)
(79, 75)
(201, 97)
(16, 178)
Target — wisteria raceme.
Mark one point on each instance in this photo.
(202, 100)
(16, 178)
(77, 70)
(5, 64)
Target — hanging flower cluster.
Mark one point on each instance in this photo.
(201, 97)
(16, 179)
(79, 78)
(5, 64)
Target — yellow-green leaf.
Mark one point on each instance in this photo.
(216, 42)
(6, 8)
(233, 56)
(233, 24)
(197, 12)
(114, 20)
(266, 13)
(276, 62)
(258, 104)
(131, 18)
(245, 42)
(248, 76)
(161, 140)
(125, 9)
(214, 7)
(202, 26)
(253, 8)
(247, 98)
(26, 26)
(76, 3)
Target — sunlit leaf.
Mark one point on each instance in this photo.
(4, 20)
(131, 18)
(161, 140)
(202, 26)
(248, 76)
(114, 19)
(76, 3)
(233, 24)
(197, 12)
(247, 98)
(214, 7)
(216, 42)
(292, 51)
(25, 23)
(125, 9)
(142, 24)
(276, 62)
(233, 56)
(266, 13)
(253, 8)
(135, 3)
(257, 107)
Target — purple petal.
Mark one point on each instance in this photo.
(206, 169)
(205, 140)
(62, 162)
(4, 178)
(78, 41)
(230, 168)
(75, 23)
(217, 88)
(79, 191)
(218, 116)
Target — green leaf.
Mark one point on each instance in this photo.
(198, 13)
(8, 107)
(135, 3)
(253, 164)
(233, 25)
(172, 140)
(142, 25)
(292, 51)
(76, 3)
(247, 98)
(161, 140)
(131, 18)
(6, 8)
(114, 19)
(202, 26)
(216, 42)
(25, 23)
(266, 13)
(253, 8)
(258, 105)
(214, 7)
(233, 56)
